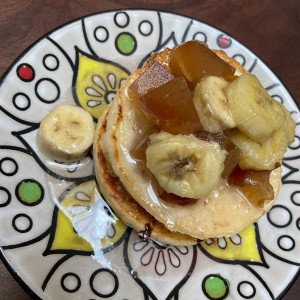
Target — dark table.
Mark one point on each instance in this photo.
(270, 28)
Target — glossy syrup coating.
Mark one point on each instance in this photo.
(194, 60)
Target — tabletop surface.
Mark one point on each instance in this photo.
(269, 28)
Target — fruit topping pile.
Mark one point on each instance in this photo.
(212, 124)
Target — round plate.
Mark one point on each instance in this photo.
(57, 233)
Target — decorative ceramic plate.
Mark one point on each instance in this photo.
(57, 233)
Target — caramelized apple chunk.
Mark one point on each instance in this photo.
(254, 185)
(171, 108)
(166, 100)
(194, 60)
(155, 76)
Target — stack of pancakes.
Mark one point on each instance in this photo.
(128, 188)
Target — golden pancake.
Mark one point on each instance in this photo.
(224, 212)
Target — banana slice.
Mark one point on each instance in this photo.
(255, 112)
(211, 104)
(185, 165)
(289, 127)
(66, 133)
(256, 156)
(264, 156)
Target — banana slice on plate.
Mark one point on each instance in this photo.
(211, 104)
(255, 112)
(185, 165)
(66, 133)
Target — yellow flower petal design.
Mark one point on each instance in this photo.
(241, 247)
(66, 238)
(85, 223)
(96, 82)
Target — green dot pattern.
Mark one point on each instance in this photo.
(215, 287)
(126, 43)
(29, 192)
